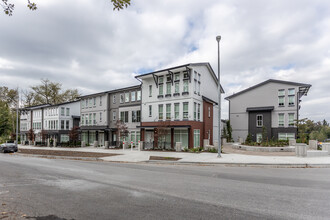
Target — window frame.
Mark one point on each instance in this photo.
(258, 120)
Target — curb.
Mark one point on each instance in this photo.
(60, 157)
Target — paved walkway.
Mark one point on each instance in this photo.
(207, 158)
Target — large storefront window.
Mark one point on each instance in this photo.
(164, 139)
(181, 135)
(196, 138)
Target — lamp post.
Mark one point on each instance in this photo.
(219, 96)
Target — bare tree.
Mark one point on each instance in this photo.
(163, 129)
(122, 130)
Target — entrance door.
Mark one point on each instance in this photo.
(149, 140)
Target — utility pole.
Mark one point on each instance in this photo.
(17, 106)
(218, 38)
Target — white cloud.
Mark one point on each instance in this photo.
(80, 42)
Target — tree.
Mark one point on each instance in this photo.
(122, 129)
(325, 123)
(229, 131)
(31, 135)
(49, 93)
(9, 8)
(162, 131)
(5, 119)
(44, 135)
(74, 134)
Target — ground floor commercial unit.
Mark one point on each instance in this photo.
(165, 134)
(60, 136)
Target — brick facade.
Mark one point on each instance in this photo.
(208, 121)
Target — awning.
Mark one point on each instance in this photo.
(259, 109)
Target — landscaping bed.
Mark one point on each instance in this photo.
(164, 158)
(64, 153)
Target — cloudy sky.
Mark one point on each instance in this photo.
(84, 44)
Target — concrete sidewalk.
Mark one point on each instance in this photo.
(201, 158)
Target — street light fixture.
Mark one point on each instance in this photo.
(219, 96)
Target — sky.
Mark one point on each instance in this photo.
(84, 44)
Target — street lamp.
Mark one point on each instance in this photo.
(219, 96)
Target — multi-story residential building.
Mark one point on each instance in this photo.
(94, 109)
(31, 117)
(59, 119)
(272, 106)
(100, 112)
(125, 105)
(178, 105)
(54, 120)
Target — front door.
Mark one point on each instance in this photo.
(149, 140)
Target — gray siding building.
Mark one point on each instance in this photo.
(272, 105)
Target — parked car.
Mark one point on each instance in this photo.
(8, 147)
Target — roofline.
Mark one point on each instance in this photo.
(186, 65)
(111, 91)
(269, 81)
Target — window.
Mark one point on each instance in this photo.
(286, 136)
(185, 74)
(150, 110)
(177, 87)
(62, 111)
(291, 119)
(94, 101)
(82, 119)
(185, 86)
(195, 75)
(126, 97)
(114, 115)
(168, 78)
(281, 94)
(86, 103)
(176, 111)
(161, 89)
(199, 112)
(209, 109)
(90, 103)
(168, 88)
(100, 100)
(150, 90)
(185, 110)
(195, 86)
(281, 120)
(62, 125)
(161, 80)
(124, 116)
(291, 94)
(196, 138)
(94, 118)
(67, 111)
(259, 137)
(100, 116)
(82, 105)
(138, 95)
(67, 124)
(138, 116)
(160, 112)
(168, 111)
(133, 96)
(199, 88)
(199, 77)
(259, 120)
(195, 111)
(86, 119)
(114, 99)
(121, 98)
(56, 125)
(90, 119)
(134, 116)
(176, 76)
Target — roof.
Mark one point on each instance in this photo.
(185, 65)
(264, 108)
(112, 91)
(47, 105)
(302, 85)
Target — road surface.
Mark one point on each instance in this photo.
(38, 188)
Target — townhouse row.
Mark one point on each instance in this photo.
(178, 104)
(168, 106)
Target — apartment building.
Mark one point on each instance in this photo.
(54, 120)
(272, 105)
(125, 105)
(178, 105)
(100, 112)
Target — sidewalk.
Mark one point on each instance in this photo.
(201, 158)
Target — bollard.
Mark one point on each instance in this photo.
(106, 144)
(83, 144)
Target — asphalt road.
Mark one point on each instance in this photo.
(37, 188)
